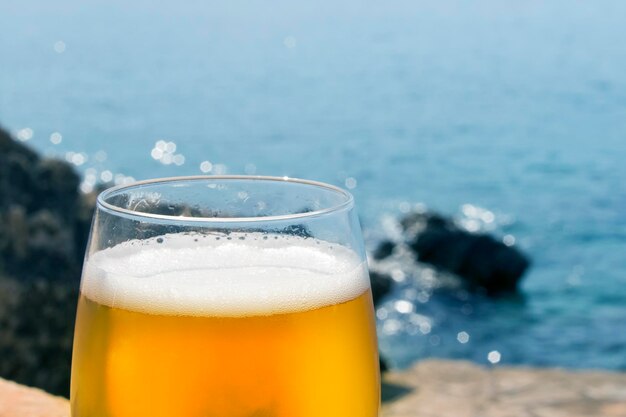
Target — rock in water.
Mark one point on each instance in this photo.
(384, 249)
(479, 259)
(381, 285)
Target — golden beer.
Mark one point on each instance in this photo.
(252, 327)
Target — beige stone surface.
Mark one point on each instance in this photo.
(436, 388)
(20, 401)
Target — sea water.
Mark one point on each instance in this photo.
(516, 109)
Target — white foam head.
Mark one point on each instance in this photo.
(238, 275)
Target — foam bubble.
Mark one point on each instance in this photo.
(212, 275)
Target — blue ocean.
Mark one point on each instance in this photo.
(510, 115)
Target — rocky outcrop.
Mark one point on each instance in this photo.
(44, 225)
(45, 218)
(481, 261)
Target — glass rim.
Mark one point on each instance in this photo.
(102, 204)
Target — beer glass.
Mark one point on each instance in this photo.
(225, 296)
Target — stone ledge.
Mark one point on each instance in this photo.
(439, 388)
(20, 401)
(436, 388)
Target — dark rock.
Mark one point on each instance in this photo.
(36, 318)
(381, 285)
(382, 363)
(384, 249)
(45, 220)
(16, 162)
(415, 223)
(479, 259)
(57, 189)
(44, 226)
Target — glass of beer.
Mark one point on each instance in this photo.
(225, 296)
